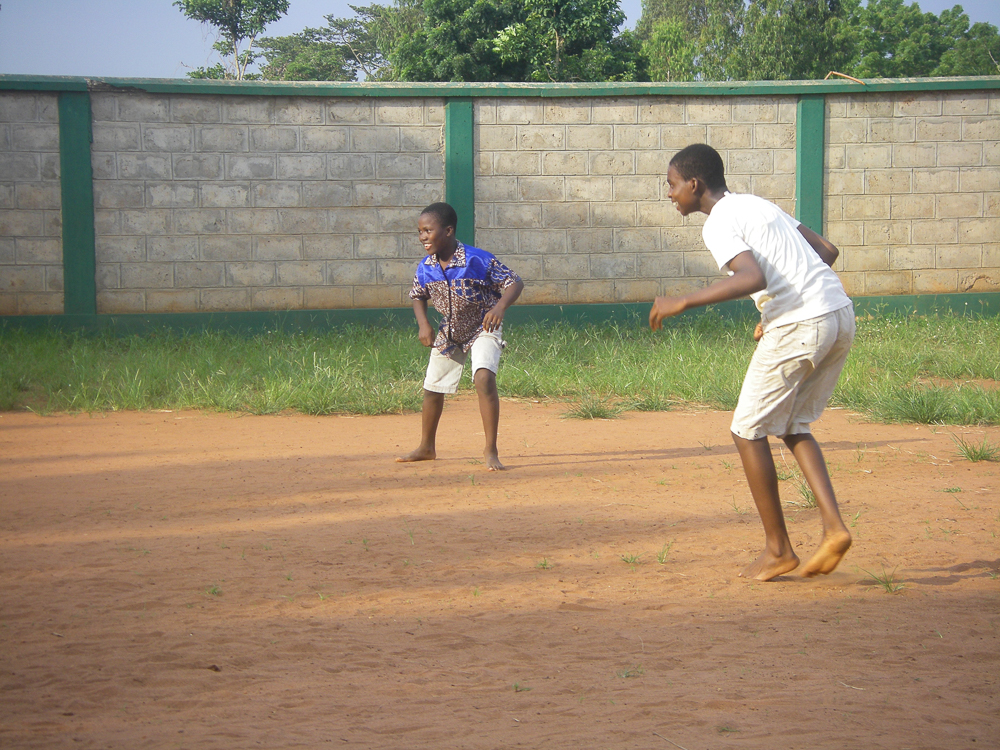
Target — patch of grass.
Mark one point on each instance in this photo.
(214, 590)
(520, 687)
(636, 671)
(544, 564)
(593, 407)
(887, 580)
(975, 452)
(661, 556)
(632, 559)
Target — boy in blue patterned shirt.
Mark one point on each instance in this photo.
(472, 290)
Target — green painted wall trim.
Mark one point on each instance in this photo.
(328, 88)
(459, 167)
(810, 148)
(77, 177)
(577, 315)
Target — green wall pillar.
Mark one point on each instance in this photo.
(460, 166)
(810, 151)
(77, 177)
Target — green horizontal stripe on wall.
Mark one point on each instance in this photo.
(577, 315)
(447, 90)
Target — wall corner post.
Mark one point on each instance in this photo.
(77, 183)
(460, 166)
(810, 160)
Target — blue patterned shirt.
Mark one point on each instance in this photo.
(463, 293)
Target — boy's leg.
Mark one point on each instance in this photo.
(430, 415)
(758, 465)
(836, 537)
(489, 408)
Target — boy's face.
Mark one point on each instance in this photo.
(683, 193)
(435, 238)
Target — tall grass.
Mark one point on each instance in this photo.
(902, 369)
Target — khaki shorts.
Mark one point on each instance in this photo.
(792, 375)
(444, 371)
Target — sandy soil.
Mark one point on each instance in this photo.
(188, 580)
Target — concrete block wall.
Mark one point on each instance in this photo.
(227, 203)
(913, 191)
(572, 193)
(31, 271)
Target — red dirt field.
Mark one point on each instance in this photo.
(190, 580)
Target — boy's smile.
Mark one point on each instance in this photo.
(682, 193)
(437, 240)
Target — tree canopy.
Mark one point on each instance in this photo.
(239, 23)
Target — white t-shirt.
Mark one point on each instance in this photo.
(799, 284)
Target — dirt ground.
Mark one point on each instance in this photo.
(189, 580)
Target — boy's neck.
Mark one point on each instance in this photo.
(444, 257)
(710, 197)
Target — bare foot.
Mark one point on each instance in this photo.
(493, 462)
(831, 550)
(767, 566)
(420, 454)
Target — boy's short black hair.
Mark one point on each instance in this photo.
(702, 161)
(444, 213)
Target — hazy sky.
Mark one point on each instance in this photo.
(153, 39)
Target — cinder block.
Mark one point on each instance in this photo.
(227, 247)
(351, 166)
(615, 111)
(637, 136)
(106, 222)
(247, 109)
(636, 188)
(870, 105)
(250, 274)
(887, 232)
(399, 112)
(328, 246)
(37, 251)
(199, 275)
(51, 223)
(676, 137)
(700, 263)
(985, 129)
(107, 277)
(277, 299)
(374, 139)
(496, 137)
(866, 259)
(420, 194)
(146, 221)
(171, 194)
(889, 181)
(590, 240)
(991, 255)
(754, 109)
(935, 232)
(774, 187)
(172, 138)
(103, 107)
(868, 207)
(53, 279)
(351, 111)
(937, 180)
(104, 166)
(398, 272)
(147, 275)
(301, 273)
(40, 303)
(225, 194)
(991, 154)
(888, 282)
(4, 137)
(377, 194)
(541, 138)
(326, 195)
(114, 301)
(398, 220)
(302, 220)
(975, 180)
(224, 300)
(277, 248)
(612, 162)
(143, 167)
(659, 111)
(376, 246)
(978, 230)
(914, 155)
(298, 110)
(484, 111)
(7, 192)
(914, 104)
(979, 280)
(911, 206)
(324, 139)
(751, 162)
(500, 242)
(252, 221)
(491, 189)
(564, 267)
(276, 194)
(399, 166)
(547, 241)
(877, 156)
(612, 266)
(19, 167)
(959, 206)
(939, 129)
(231, 139)
(772, 136)
(566, 111)
(519, 215)
(7, 251)
(659, 213)
(421, 140)
(143, 108)
(16, 106)
(519, 112)
(636, 290)
(35, 137)
(113, 137)
(553, 163)
(274, 138)
(525, 266)
(519, 162)
(660, 265)
(434, 166)
(38, 195)
(589, 137)
(898, 130)
(311, 167)
(170, 249)
(541, 188)
(355, 220)
(173, 300)
(966, 102)
(911, 257)
(565, 215)
(709, 109)
(960, 154)
(328, 298)
(836, 157)
(199, 221)
(380, 296)
(544, 293)
(587, 292)
(195, 109)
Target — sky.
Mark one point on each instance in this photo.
(153, 39)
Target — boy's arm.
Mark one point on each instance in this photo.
(747, 278)
(823, 247)
(494, 317)
(425, 330)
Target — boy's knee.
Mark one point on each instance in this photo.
(484, 378)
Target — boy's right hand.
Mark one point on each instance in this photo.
(664, 307)
(758, 332)
(426, 335)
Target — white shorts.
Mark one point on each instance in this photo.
(792, 375)
(444, 371)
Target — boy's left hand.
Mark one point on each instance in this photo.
(493, 320)
(664, 307)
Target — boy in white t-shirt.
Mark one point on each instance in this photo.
(805, 333)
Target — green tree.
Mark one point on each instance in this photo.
(896, 40)
(239, 23)
(691, 13)
(670, 51)
(977, 53)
